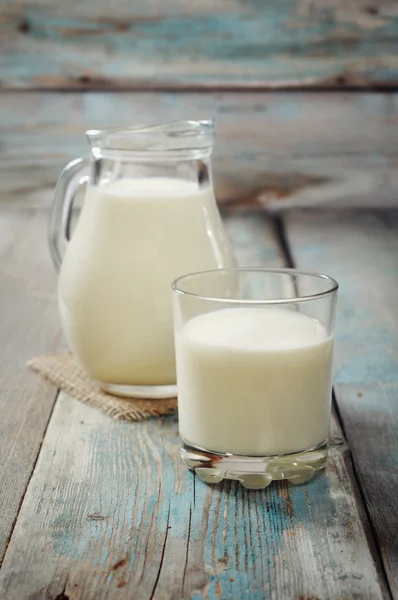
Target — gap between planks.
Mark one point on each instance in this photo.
(204, 88)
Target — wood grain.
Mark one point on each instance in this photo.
(370, 417)
(360, 249)
(280, 150)
(28, 326)
(110, 512)
(166, 43)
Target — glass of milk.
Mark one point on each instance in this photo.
(149, 214)
(254, 370)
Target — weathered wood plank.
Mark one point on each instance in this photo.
(198, 44)
(370, 415)
(361, 251)
(278, 149)
(28, 326)
(111, 513)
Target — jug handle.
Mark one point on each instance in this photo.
(75, 174)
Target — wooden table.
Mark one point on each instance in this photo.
(97, 509)
(305, 95)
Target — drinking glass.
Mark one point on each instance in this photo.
(254, 372)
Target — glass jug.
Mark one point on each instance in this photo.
(149, 216)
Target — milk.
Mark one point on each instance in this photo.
(254, 381)
(133, 238)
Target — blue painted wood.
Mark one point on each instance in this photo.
(278, 149)
(110, 508)
(111, 513)
(167, 43)
(361, 251)
(370, 416)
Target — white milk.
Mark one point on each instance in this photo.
(254, 381)
(133, 238)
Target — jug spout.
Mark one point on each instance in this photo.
(191, 138)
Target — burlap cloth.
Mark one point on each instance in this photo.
(64, 372)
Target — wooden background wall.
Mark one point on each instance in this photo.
(304, 91)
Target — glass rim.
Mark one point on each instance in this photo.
(197, 126)
(334, 286)
(179, 138)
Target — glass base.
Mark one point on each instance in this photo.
(255, 472)
(150, 392)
